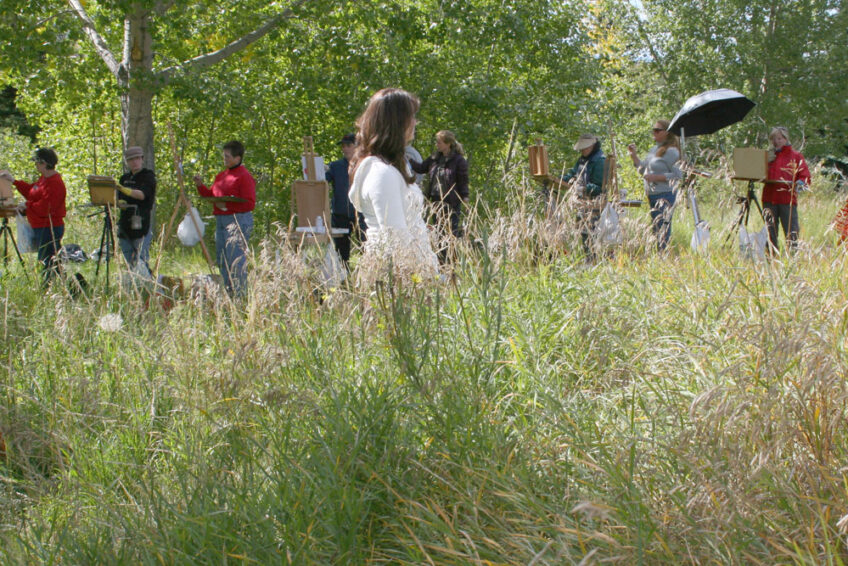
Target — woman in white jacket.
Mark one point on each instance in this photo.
(383, 189)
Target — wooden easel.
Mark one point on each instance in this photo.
(610, 188)
(310, 201)
(182, 199)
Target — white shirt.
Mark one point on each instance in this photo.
(394, 214)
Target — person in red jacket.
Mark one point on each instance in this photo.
(45, 210)
(234, 220)
(787, 175)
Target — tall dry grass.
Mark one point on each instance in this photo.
(529, 409)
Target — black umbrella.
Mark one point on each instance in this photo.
(710, 111)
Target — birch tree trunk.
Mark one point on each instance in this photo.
(137, 88)
(137, 81)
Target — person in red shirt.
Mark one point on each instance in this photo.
(234, 220)
(787, 175)
(45, 210)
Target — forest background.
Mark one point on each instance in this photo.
(89, 78)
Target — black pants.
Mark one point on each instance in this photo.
(587, 221)
(787, 216)
(49, 242)
(342, 243)
(447, 218)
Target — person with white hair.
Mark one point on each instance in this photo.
(787, 175)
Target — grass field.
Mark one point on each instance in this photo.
(687, 409)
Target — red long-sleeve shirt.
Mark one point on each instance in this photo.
(788, 166)
(45, 201)
(235, 182)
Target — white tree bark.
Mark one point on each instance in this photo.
(137, 96)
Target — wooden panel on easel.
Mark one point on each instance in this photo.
(6, 191)
(750, 163)
(610, 181)
(102, 190)
(539, 163)
(311, 200)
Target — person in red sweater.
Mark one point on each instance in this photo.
(45, 209)
(234, 220)
(787, 175)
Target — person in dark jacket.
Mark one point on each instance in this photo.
(138, 187)
(447, 171)
(343, 213)
(587, 181)
(45, 210)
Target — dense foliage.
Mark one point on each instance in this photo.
(497, 73)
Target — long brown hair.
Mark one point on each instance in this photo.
(671, 140)
(449, 138)
(383, 127)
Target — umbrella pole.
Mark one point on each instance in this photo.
(690, 193)
(690, 189)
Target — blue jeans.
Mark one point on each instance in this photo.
(49, 241)
(232, 233)
(145, 245)
(133, 250)
(661, 209)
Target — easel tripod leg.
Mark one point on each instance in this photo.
(7, 234)
(100, 250)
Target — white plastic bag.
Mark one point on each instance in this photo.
(609, 229)
(753, 245)
(26, 236)
(333, 271)
(186, 231)
(701, 236)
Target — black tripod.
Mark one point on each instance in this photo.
(108, 238)
(744, 210)
(7, 235)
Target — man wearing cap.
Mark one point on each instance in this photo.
(587, 181)
(343, 213)
(45, 209)
(138, 187)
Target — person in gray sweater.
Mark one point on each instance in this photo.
(660, 172)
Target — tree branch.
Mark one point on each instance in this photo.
(162, 6)
(657, 60)
(209, 59)
(96, 39)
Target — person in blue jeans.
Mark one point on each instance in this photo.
(660, 171)
(45, 210)
(234, 219)
(232, 234)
